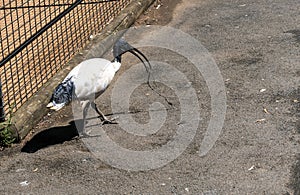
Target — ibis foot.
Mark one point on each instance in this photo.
(107, 121)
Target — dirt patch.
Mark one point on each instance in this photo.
(160, 13)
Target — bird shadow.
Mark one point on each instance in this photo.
(53, 136)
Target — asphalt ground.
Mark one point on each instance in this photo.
(255, 46)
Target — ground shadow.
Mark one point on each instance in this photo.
(295, 181)
(52, 136)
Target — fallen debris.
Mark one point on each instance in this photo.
(266, 111)
(20, 170)
(251, 168)
(260, 120)
(262, 90)
(24, 183)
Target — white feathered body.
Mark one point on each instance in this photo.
(92, 77)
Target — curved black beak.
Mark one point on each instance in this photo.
(122, 47)
(148, 69)
(139, 52)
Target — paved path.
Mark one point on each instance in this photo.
(256, 47)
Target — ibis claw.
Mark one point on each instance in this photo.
(107, 121)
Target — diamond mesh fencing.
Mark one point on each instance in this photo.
(38, 37)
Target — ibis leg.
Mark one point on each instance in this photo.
(85, 110)
(101, 115)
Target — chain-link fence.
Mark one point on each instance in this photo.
(39, 36)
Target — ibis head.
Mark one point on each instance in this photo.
(121, 47)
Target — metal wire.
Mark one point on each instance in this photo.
(38, 37)
(54, 5)
(2, 113)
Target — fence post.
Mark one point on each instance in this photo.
(2, 113)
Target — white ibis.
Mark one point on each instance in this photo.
(89, 79)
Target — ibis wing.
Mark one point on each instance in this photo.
(91, 77)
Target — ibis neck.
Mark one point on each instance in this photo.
(117, 59)
(116, 64)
